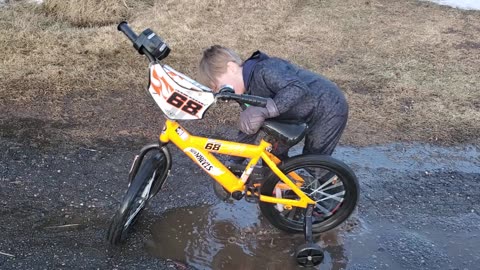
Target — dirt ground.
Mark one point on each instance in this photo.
(74, 111)
(408, 68)
(418, 209)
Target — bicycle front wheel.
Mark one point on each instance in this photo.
(135, 200)
(329, 182)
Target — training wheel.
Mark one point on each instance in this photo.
(309, 255)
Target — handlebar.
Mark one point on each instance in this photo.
(124, 28)
(139, 42)
(143, 47)
(243, 99)
(226, 93)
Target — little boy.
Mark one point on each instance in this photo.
(293, 94)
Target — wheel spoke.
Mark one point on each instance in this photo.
(333, 196)
(311, 182)
(339, 184)
(321, 192)
(291, 214)
(311, 174)
(302, 260)
(323, 185)
(323, 209)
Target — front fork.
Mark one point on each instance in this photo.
(161, 147)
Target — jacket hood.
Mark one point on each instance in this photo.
(249, 65)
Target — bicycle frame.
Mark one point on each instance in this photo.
(200, 150)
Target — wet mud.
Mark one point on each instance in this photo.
(419, 209)
(233, 236)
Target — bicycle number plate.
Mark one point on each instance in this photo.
(179, 97)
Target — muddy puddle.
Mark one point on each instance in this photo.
(381, 236)
(234, 236)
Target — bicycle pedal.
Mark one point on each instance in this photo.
(252, 199)
(252, 195)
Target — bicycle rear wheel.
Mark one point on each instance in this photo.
(140, 190)
(327, 181)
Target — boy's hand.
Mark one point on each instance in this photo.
(252, 118)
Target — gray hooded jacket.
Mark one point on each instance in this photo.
(298, 93)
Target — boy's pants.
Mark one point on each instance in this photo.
(322, 136)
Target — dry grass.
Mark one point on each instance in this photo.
(409, 68)
(88, 13)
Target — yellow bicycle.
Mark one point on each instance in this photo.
(305, 193)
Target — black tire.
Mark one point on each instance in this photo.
(335, 172)
(309, 255)
(136, 198)
(164, 167)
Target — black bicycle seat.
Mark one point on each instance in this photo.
(288, 132)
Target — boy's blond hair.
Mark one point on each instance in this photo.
(214, 63)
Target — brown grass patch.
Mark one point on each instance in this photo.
(409, 68)
(92, 12)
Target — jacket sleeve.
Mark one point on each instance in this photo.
(289, 90)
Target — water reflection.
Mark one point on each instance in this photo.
(233, 236)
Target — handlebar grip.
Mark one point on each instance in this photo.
(124, 28)
(243, 99)
(253, 100)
